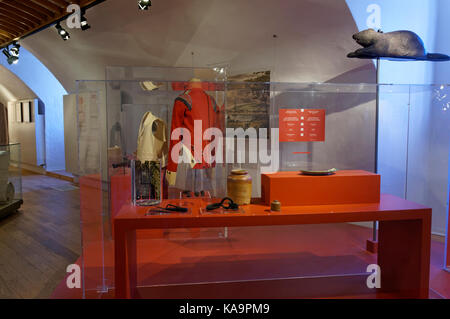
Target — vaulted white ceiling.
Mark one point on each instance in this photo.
(314, 37)
(13, 88)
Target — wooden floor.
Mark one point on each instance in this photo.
(41, 240)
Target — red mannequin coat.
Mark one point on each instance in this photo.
(194, 104)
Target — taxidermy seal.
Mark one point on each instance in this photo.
(403, 45)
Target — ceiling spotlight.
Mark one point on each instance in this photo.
(63, 33)
(15, 50)
(144, 4)
(84, 23)
(219, 70)
(10, 58)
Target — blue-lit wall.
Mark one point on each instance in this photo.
(34, 74)
(442, 41)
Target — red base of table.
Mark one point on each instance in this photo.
(404, 237)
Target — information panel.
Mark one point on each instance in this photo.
(302, 125)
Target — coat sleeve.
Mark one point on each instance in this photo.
(177, 122)
(219, 116)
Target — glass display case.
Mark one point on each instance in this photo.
(242, 133)
(10, 179)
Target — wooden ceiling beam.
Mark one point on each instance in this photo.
(61, 3)
(10, 11)
(5, 34)
(23, 9)
(13, 25)
(49, 5)
(37, 8)
(19, 19)
(23, 23)
(11, 31)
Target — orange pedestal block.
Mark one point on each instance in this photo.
(345, 187)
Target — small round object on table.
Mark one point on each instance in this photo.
(275, 206)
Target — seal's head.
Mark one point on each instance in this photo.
(366, 38)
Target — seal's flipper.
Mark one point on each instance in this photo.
(437, 57)
(361, 54)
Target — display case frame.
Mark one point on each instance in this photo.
(350, 109)
(11, 198)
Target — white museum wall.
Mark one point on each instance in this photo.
(313, 39)
(30, 135)
(12, 88)
(27, 134)
(40, 80)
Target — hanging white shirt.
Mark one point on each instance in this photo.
(152, 143)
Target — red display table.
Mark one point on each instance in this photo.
(404, 237)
